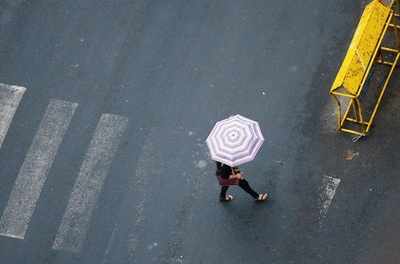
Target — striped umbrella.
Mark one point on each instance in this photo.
(235, 140)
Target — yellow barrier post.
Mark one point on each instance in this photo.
(366, 49)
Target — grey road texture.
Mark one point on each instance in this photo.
(104, 109)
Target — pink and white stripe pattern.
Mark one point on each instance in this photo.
(235, 140)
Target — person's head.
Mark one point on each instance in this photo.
(223, 169)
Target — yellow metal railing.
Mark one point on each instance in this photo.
(366, 49)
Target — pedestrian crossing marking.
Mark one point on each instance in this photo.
(93, 172)
(10, 97)
(330, 184)
(34, 170)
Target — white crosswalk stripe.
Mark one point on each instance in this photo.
(93, 172)
(10, 97)
(329, 186)
(34, 170)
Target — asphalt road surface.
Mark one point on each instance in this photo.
(104, 109)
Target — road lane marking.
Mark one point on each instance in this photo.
(93, 172)
(34, 170)
(10, 97)
(329, 186)
(148, 164)
(110, 243)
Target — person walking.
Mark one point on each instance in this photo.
(228, 176)
(232, 142)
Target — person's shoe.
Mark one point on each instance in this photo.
(227, 198)
(262, 197)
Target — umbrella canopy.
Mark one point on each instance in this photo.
(235, 140)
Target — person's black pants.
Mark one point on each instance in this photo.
(242, 184)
